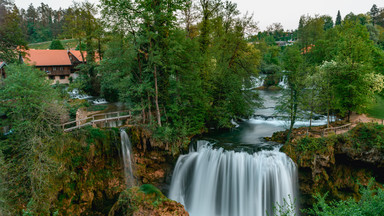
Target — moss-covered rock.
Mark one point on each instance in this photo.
(146, 200)
(336, 163)
(90, 178)
(154, 160)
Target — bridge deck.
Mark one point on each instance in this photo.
(96, 119)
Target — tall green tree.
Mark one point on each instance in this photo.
(374, 12)
(83, 25)
(12, 40)
(290, 102)
(338, 18)
(34, 112)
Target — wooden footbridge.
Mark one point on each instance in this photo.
(335, 130)
(97, 119)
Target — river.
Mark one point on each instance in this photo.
(238, 173)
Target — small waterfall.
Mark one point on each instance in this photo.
(258, 81)
(283, 83)
(126, 149)
(227, 183)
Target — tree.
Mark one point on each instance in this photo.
(289, 103)
(310, 31)
(374, 12)
(82, 24)
(34, 113)
(180, 82)
(328, 22)
(12, 40)
(56, 45)
(338, 18)
(370, 203)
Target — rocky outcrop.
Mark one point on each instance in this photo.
(90, 178)
(146, 200)
(371, 156)
(337, 164)
(92, 174)
(154, 161)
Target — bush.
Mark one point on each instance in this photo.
(369, 135)
(56, 45)
(315, 144)
(370, 204)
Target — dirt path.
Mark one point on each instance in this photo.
(357, 118)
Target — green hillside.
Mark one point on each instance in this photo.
(67, 43)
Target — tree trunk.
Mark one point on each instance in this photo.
(157, 97)
(149, 109)
(81, 51)
(99, 48)
(349, 115)
(328, 114)
(143, 110)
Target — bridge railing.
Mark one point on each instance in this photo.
(335, 129)
(94, 119)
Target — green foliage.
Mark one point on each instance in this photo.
(73, 105)
(180, 85)
(287, 208)
(370, 135)
(34, 112)
(288, 105)
(97, 107)
(150, 189)
(310, 144)
(377, 109)
(67, 44)
(83, 46)
(338, 18)
(370, 204)
(56, 45)
(11, 35)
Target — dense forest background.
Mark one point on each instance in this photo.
(188, 66)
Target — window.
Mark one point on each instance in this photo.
(62, 77)
(61, 68)
(52, 77)
(54, 68)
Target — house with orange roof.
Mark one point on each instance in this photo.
(59, 65)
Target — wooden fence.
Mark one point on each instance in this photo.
(96, 119)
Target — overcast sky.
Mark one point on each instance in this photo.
(266, 12)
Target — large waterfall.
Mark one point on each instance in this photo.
(210, 182)
(239, 173)
(126, 149)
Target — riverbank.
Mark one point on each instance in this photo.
(339, 163)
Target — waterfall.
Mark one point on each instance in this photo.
(283, 83)
(126, 149)
(258, 81)
(210, 182)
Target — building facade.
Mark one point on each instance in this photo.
(59, 65)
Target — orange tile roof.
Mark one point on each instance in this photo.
(77, 54)
(47, 57)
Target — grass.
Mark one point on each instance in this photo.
(377, 110)
(67, 43)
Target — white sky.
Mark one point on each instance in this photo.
(266, 12)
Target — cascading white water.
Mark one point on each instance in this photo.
(126, 149)
(210, 182)
(283, 83)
